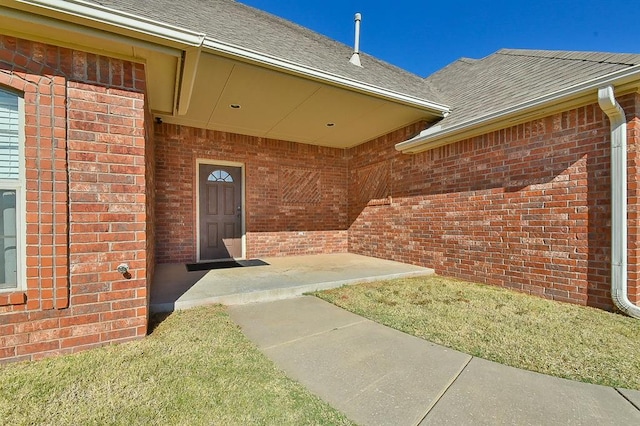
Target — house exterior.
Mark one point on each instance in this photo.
(137, 133)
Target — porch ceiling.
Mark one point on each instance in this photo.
(195, 87)
(277, 105)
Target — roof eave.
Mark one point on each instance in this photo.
(190, 39)
(437, 136)
(227, 49)
(116, 18)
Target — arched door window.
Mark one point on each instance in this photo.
(220, 176)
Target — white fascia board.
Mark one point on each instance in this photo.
(437, 135)
(120, 19)
(86, 31)
(188, 78)
(219, 47)
(161, 30)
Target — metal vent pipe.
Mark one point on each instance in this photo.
(355, 58)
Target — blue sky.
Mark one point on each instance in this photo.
(423, 36)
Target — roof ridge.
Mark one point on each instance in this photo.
(552, 54)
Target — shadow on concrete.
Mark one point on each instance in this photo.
(208, 266)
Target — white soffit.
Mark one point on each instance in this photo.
(277, 98)
(276, 105)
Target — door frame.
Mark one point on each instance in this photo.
(211, 162)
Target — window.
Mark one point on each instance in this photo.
(10, 187)
(220, 176)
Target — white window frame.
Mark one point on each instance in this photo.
(19, 186)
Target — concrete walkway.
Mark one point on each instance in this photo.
(380, 376)
(277, 278)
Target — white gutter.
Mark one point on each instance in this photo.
(119, 19)
(619, 232)
(437, 136)
(131, 22)
(56, 24)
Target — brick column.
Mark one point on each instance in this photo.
(87, 209)
(107, 207)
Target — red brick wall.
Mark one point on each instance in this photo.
(631, 105)
(296, 194)
(86, 202)
(526, 207)
(150, 195)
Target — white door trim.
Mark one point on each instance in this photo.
(208, 161)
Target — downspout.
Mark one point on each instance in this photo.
(619, 232)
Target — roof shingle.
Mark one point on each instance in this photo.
(234, 23)
(474, 88)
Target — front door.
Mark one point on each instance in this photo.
(220, 212)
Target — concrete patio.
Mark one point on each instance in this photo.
(174, 287)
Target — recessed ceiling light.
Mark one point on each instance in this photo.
(235, 106)
(330, 124)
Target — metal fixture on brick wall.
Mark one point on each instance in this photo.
(619, 232)
(123, 268)
(355, 58)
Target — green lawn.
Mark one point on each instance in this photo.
(511, 328)
(196, 368)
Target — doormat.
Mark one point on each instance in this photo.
(208, 266)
